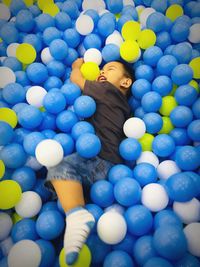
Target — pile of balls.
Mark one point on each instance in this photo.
(148, 209)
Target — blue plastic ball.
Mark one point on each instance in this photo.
(95, 210)
(110, 52)
(196, 108)
(139, 220)
(71, 37)
(35, 40)
(54, 102)
(37, 73)
(35, 10)
(30, 142)
(102, 193)
(56, 68)
(188, 158)
(166, 64)
(182, 74)
(66, 120)
(127, 191)
(44, 21)
(58, 49)
(24, 229)
(20, 133)
(92, 40)
(180, 187)
(50, 205)
(14, 93)
(9, 33)
(180, 136)
(156, 22)
(93, 14)
(88, 145)
(151, 101)
(118, 256)
(12, 63)
(163, 39)
(49, 134)
(126, 244)
(62, 21)
(122, 20)
(186, 95)
(158, 262)
(114, 6)
(143, 249)
(170, 242)
(106, 25)
(22, 78)
(81, 127)
(48, 252)
(181, 116)
(187, 260)
(52, 82)
(13, 155)
(25, 177)
(139, 112)
(71, 56)
(152, 55)
(130, 149)
(144, 72)
(30, 117)
(50, 34)
(163, 145)
(180, 31)
(182, 52)
(48, 121)
(166, 217)
(145, 173)
(6, 133)
(119, 171)
(66, 142)
(162, 85)
(24, 21)
(84, 106)
(153, 122)
(71, 8)
(131, 11)
(140, 87)
(39, 188)
(194, 130)
(50, 224)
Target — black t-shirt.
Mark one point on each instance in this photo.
(112, 110)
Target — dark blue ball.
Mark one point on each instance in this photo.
(71, 37)
(48, 252)
(186, 95)
(166, 64)
(62, 21)
(194, 130)
(182, 74)
(180, 136)
(81, 127)
(145, 173)
(181, 116)
(130, 149)
(56, 68)
(30, 117)
(118, 256)
(162, 85)
(6, 133)
(66, 120)
(163, 145)
(26, 177)
(71, 92)
(140, 87)
(88, 145)
(157, 262)
(24, 229)
(196, 108)
(54, 102)
(119, 171)
(151, 101)
(152, 55)
(31, 141)
(84, 106)
(44, 21)
(188, 158)
(166, 217)
(66, 142)
(153, 122)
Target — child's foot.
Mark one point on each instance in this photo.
(79, 223)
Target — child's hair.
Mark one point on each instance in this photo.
(129, 72)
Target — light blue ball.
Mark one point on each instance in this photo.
(31, 141)
(163, 39)
(52, 82)
(30, 117)
(26, 177)
(180, 31)
(13, 63)
(186, 95)
(9, 33)
(20, 133)
(66, 142)
(34, 10)
(58, 49)
(102, 193)
(92, 40)
(81, 127)
(71, 8)
(152, 55)
(182, 74)
(24, 229)
(25, 21)
(163, 145)
(166, 217)
(35, 40)
(48, 252)
(71, 37)
(140, 87)
(153, 122)
(48, 121)
(65, 120)
(14, 93)
(166, 64)
(162, 85)
(71, 56)
(145, 173)
(106, 25)
(93, 14)
(151, 101)
(114, 6)
(84, 106)
(110, 52)
(44, 21)
(6, 133)
(88, 145)
(131, 11)
(181, 116)
(159, 5)
(114, 257)
(123, 19)
(22, 78)
(119, 171)
(182, 52)
(194, 130)
(158, 262)
(49, 134)
(156, 22)
(54, 102)
(50, 34)
(188, 259)
(16, 6)
(130, 149)
(62, 21)
(139, 112)
(180, 136)
(56, 68)
(37, 73)
(144, 72)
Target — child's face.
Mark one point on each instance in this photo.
(112, 72)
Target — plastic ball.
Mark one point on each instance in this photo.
(127, 191)
(90, 71)
(188, 211)
(185, 95)
(151, 101)
(162, 85)
(168, 105)
(182, 52)
(136, 124)
(10, 194)
(187, 158)
(106, 24)
(194, 63)
(110, 52)
(49, 153)
(145, 173)
(84, 106)
(66, 120)
(84, 258)
(174, 11)
(9, 33)
(156, 22)
(30, 142)
(102, 193)
(25, 53)
(2, 169)
(180, 187)
(111, 228)
(13, 93)
(130, 149)
(144, 72)
(88, 145)
(191, 232)
(23, 229)
(54, 102)
(46, 56)
(146, 142)
(6, 133)
(167, 168)
(163, 40)
(130, 51)
(35, 96)
(84, 24)
(114, 38)
(152, 55)
(167, 126)
(119, 171)
(55, 68)
(25, 177)
(116, 256)
(180, 31)
(6, 225)
(29, 117)
(153, 122)
(148, 157)
(5, 12)
(93, 55)
(187, 259)
(193, 35)
(11, 49)
(48, 252)
(131, 30)
(166, 217)
(140, 87)
(24, 253)
(66, 142)
(92, 40)
(12, 63)
(166, 64)
(51, 9)
(139, 220)
(163, 145)
(194, 130)
(181, 116)
(13, 155)
(81, 127)
(182, 74)
(180, 136)
(95, 210)
(58, 49)
(37, 73)
(7, 76)
(157, 262)
(146, 39)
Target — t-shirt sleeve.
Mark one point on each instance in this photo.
(92, 89)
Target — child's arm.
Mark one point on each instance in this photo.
(76, 75)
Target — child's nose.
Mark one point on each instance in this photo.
(102, 72)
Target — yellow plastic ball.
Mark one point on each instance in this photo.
(146, 38)
(90, 71)
(42, 3)
(8, 115)
(131, 30)
(26, 53)
(10, 194)
(194, 84)
(174, 11)
(51, 9)
(146, 142)
(7, 2)
(16, 218)
(130, 51)
(168, 104)
(194, 64)
(28, 2)
(167, 126)
(173, 90)
(2, 169)
(84, 258)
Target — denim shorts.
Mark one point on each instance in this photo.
(74, 167)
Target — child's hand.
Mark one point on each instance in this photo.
(77, 63)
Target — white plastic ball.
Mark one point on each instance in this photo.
(4, 12)
(188, 211)
(134, 128)
(5, 225)
(7, 76)
(103, 11)
(94, 4)
(46, 56)
(35, 95)
(114, 38)
(49, 153)
(93, 55)
(33, 163)
(29, 204)
(194, 34)
(145, 14)
(115, 208)
(148, 157)
(24, 253)
(154, 197)
(128, 3)
(11, 49)
(84, 24)
(111, 227)
(192, 233)
(6, 245)
(167, 168)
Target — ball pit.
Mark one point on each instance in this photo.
(147, 210)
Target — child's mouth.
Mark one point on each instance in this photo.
(101, 78)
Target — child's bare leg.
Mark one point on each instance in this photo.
(79, 221)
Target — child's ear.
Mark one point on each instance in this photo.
(126, 82)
